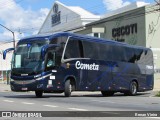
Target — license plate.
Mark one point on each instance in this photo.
(24, 88)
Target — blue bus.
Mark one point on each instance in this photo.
(67, 62)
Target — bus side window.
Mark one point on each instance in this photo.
(130, 55)
(72, 49)
(119, 53)
(148, 57)
(58, 40)
(91, 50)
(105, 52)
(81, 49)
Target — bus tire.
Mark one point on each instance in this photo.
(39, 94)
(107, 93)
(68, 88)
(132, 89)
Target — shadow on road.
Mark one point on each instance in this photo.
(52, 95)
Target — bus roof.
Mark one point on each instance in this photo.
(78, 36)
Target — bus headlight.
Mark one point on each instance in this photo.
(11, 80)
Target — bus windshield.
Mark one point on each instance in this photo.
(27, 58)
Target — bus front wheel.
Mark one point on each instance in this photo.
(39, 94)
(68, 88)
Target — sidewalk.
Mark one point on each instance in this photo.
(4, 87)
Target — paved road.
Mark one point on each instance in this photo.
(18, 101)
(86, 102)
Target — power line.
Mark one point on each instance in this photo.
(93, 7)
(73, 19)
(126, 17)
(129, 16)
(157, 1)
(133, 15)
(28, 29)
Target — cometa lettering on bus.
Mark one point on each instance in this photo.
(83, 66)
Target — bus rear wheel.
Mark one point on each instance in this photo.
(107, 93)
(132, 89)
(68, 88)
(39, 94)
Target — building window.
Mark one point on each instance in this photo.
(56, 18)
(95, 35)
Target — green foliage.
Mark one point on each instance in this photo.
(158, 94)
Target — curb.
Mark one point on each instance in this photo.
(4, 87)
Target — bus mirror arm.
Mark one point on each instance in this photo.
(6, 51)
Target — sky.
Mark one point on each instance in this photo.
(25, 17)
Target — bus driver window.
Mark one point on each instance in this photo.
(50, 60)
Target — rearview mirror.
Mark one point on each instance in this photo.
(6, 51)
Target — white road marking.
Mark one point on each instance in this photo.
(110, 112)
(8, 101)
(27, 103)
(102, 101)
(118, 103)
(154, 117)
(50, 106)
(78, 109)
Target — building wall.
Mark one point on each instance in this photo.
(152, 38)
(121, 22)
(5, 64)
(67, 19)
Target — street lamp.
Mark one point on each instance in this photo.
(12, 34)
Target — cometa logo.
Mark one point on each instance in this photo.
(83, 66)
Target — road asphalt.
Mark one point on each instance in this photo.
(4, 87)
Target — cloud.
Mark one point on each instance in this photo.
(7, 36)
(18, 19)
(114, 4)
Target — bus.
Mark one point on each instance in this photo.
(67, 62)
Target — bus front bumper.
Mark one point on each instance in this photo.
(34, 85)
(27, 85)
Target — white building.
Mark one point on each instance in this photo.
(5, 65)
(64, 18)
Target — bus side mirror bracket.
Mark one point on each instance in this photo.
(6, 51)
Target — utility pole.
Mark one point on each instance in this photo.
(11, 32)
(157, 1)
(13, 47)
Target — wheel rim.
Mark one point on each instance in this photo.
(134, 88)
(70, 88)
